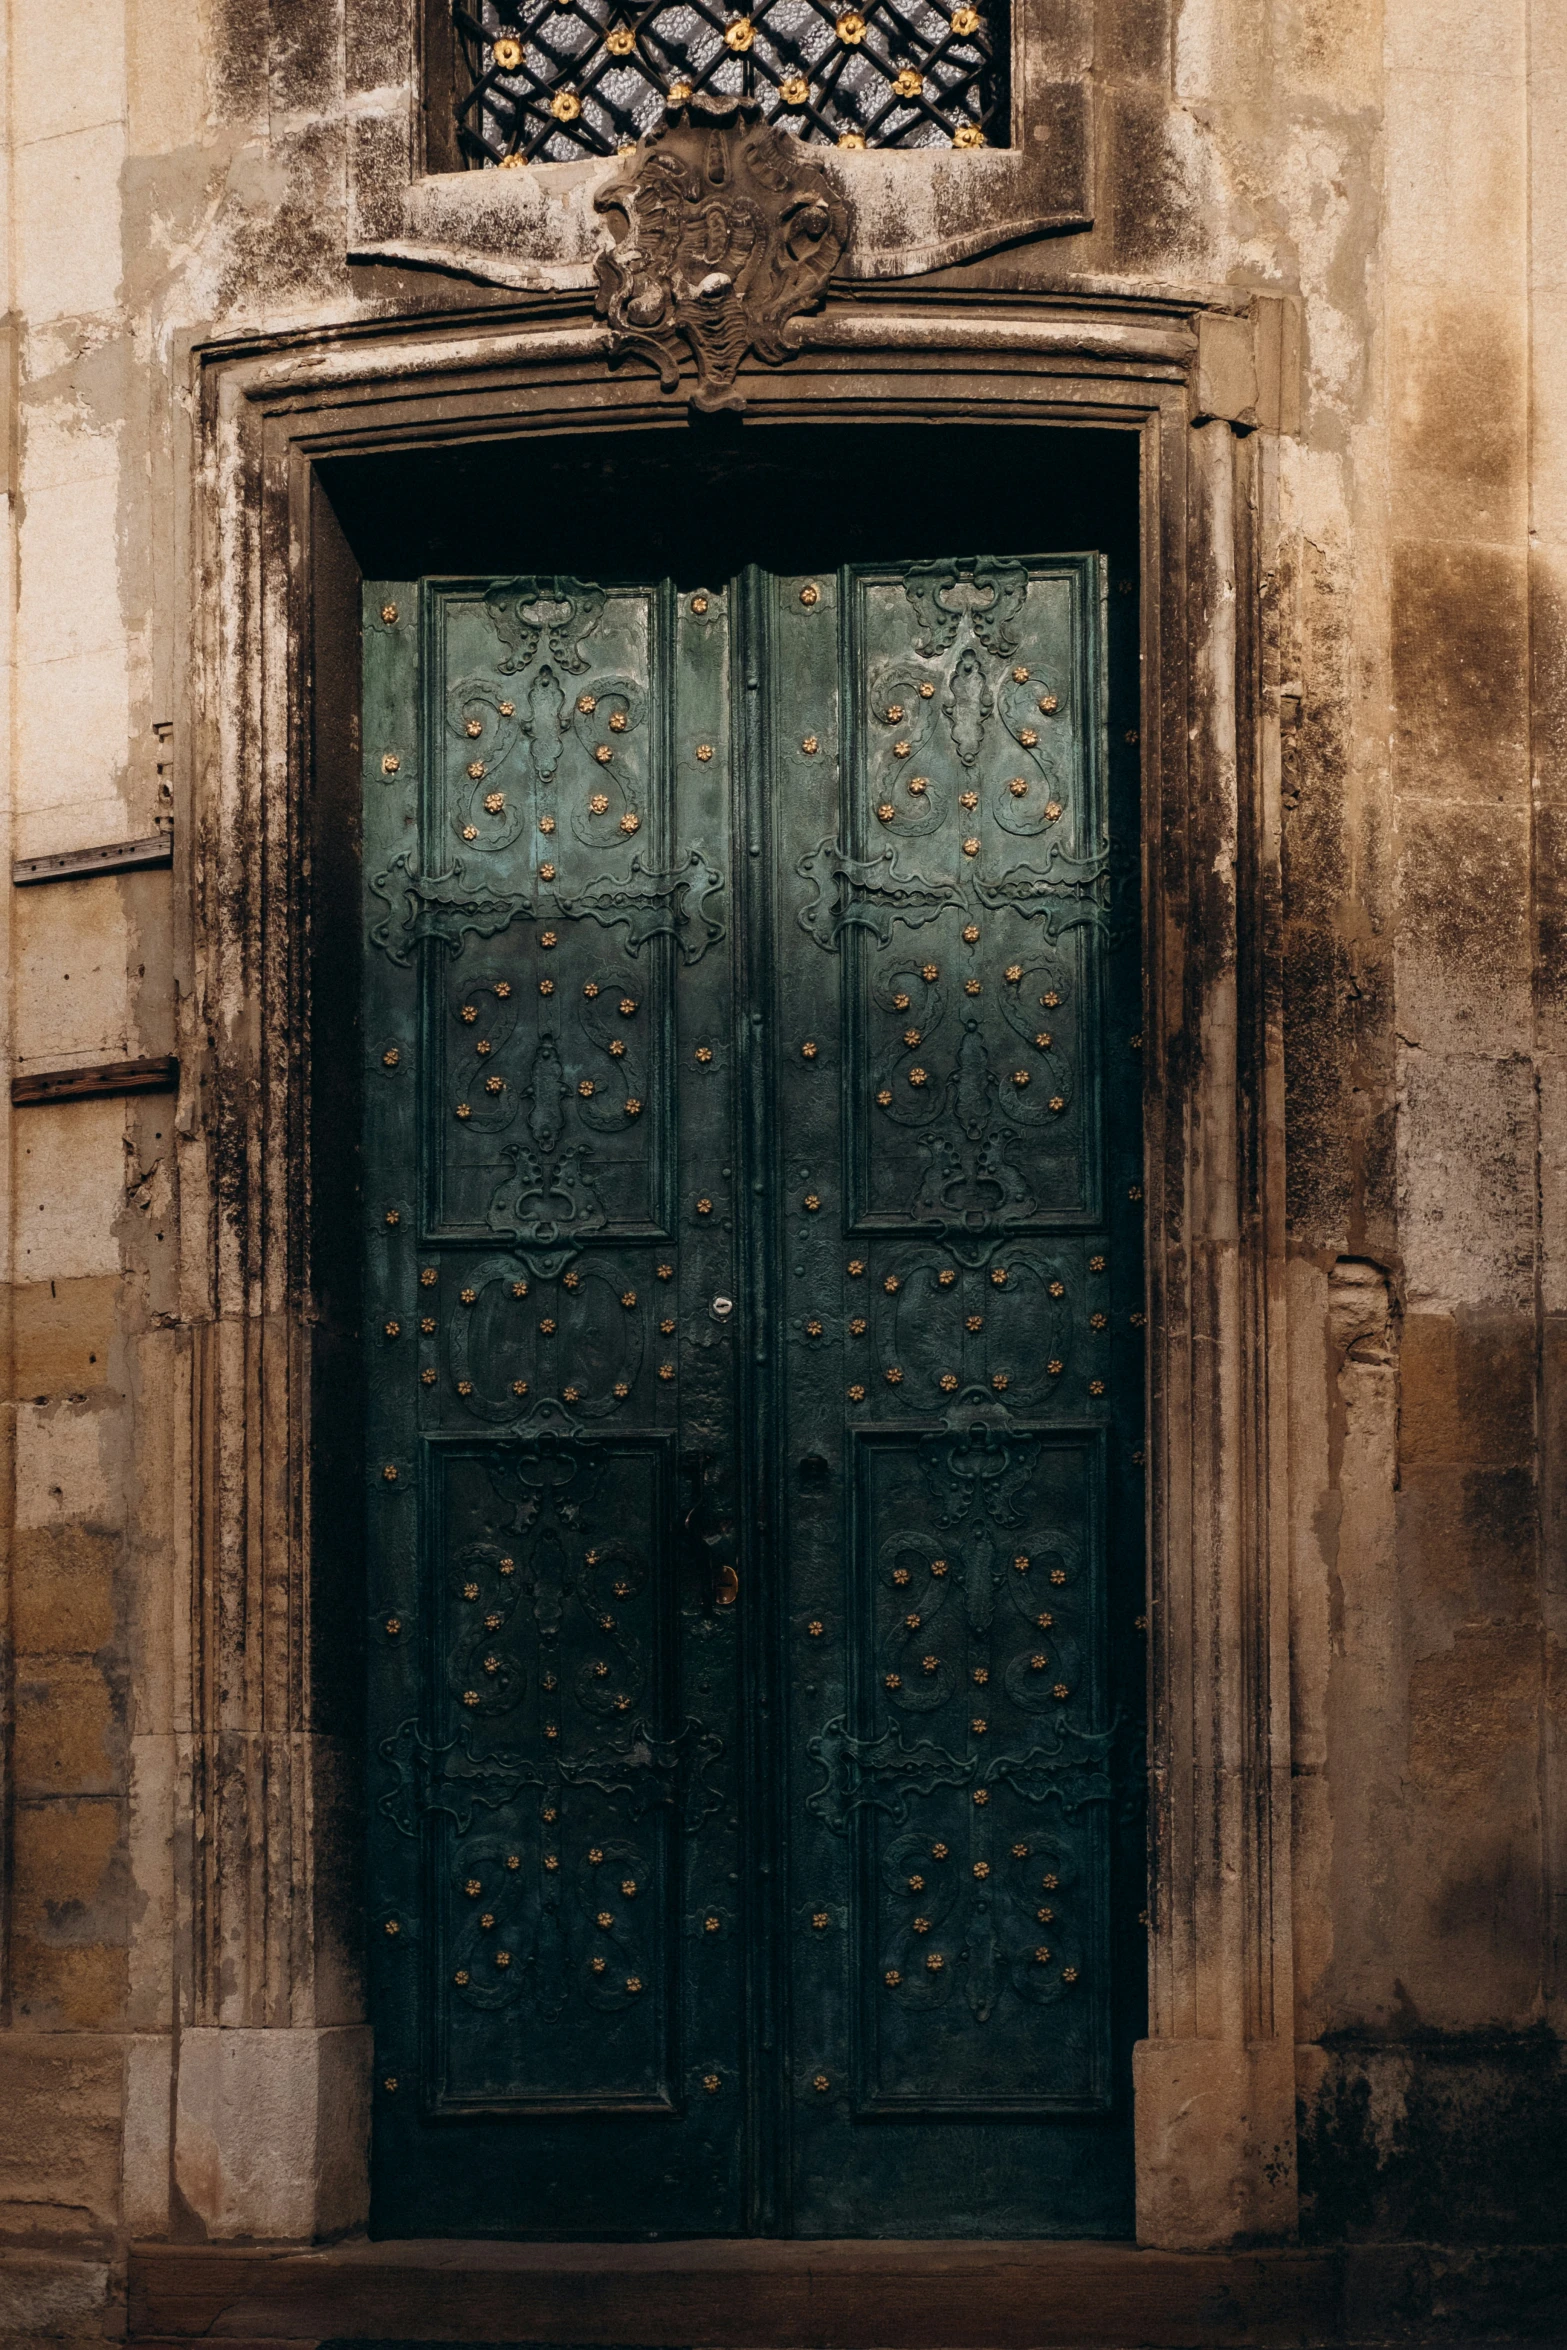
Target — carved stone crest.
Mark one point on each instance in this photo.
(723, 230)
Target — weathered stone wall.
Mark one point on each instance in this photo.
(178, 171)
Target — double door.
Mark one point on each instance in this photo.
(752, 1325)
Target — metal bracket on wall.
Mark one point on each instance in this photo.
(116, 856)
(159, 1073)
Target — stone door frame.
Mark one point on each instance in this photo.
(271, 2095)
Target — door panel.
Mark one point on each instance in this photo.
(754, 1400)
(961, 1386)
(555, 1859)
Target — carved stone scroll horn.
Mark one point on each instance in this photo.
(723, 229)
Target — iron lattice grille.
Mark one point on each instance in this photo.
(549, 81)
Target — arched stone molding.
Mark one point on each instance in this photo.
(270, 2111)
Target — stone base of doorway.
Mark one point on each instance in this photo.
(755, 2295)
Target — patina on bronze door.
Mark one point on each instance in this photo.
(753, 1402)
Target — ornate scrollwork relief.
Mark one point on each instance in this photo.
(724, 229)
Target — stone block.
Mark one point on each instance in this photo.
(165, 77)
(1459, 444)
(1442, 2146)
(63, 1331)
(149, 2134)
(1548, 689)
(69, 1920)
(62, 2094)
(159, 1805)
(1457, 184)
(1215, 2136)
(1464, 956)
(272, 2131)
(62, 1590)
(1548, 399)
(50, 2297)
(70, 1189)
(1460, 676)
(1467, 1158)
(76, 1989)
(67, 1738)
(72, 953)
(1475, 1535)
(1451, 38)
(62, 1469)
(69, 600)
(78, 803)
(47, 102)
(58, 184)
(1467, 1394)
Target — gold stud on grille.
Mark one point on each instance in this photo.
(507, 53)
(794, 89)
(907, 84)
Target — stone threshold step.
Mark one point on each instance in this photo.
(749, 2295)
(767, 2294)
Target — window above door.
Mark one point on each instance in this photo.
(949, 127)
(554, 80)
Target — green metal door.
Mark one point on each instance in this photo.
(753, 1403)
